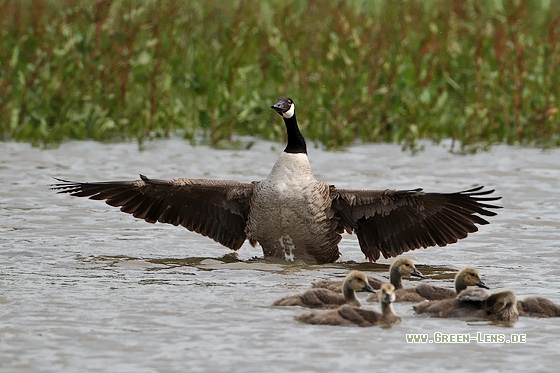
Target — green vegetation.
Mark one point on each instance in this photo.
(479, 72)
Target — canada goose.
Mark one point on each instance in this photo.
(291, 214)
(474, 303)
(465, 277)
(324, 298)
(349, 315)
(538, 307)
(399, 268)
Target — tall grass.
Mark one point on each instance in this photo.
(479, 72)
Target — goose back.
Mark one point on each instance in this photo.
(469, 303)
(314, 298)
(538, 307)
(336, 285)
(424, 292)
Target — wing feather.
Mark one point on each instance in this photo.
(390, 222)
(214, 208)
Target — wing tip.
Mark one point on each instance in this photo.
(64, 186)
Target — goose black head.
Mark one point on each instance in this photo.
(285, 107)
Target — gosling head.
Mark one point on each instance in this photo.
(402, 267)
(502, 306)
(468, 277)
(500, 300)
(405, 267)
(357, 281)
(386, 293)
(285, 107)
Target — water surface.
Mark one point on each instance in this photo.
(85, 287)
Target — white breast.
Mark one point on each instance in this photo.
(291, 169)
(288, 209)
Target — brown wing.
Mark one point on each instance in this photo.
(431, 292)
(312, 298)
(332, 285)
(407, 295)
(331, 317)
(324, 297)
(391, 222)
(214, 208)
(360, 316)
(336, 285)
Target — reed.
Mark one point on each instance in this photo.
(400, 71)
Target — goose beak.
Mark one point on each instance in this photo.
(417, 273)
(367, 287)
(278, 107)
(481, 284)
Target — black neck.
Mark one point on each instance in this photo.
(296, 142)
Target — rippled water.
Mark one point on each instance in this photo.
(84, 287)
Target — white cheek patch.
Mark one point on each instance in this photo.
(290, 113)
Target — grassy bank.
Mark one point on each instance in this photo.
(477, 71)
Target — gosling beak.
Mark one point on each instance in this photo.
(417, 273)
(389, 298)
(481, 284)
(367, 287)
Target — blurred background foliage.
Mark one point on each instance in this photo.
(479, 72)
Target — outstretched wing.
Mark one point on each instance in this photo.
(214, 208)
(391, 222)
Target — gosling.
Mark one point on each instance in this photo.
(466, 277)
(474, 304)
(349, 315)
(324, 298)
(538, 307)
(401, 267)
